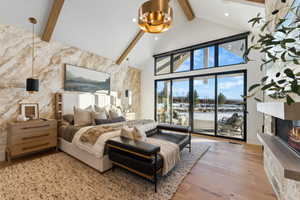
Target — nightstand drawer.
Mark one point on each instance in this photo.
(31, 137)
(32, 146)
(34, 127)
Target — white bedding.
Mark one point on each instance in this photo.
(98, 148)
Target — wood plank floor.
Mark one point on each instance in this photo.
(227, 172)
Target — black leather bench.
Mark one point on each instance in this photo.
(142, 158)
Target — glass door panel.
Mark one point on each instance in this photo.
(230, 104)
(204, 105)
(163, 101)
(180, 102)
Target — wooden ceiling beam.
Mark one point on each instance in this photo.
(257, 1)
(52, 19)
(187, 9)
(130, 47)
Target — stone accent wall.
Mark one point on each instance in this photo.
(286, 189)
(15, 67)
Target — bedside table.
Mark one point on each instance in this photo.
(130, 116)
(31, 136)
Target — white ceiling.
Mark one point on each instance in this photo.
(106, 27)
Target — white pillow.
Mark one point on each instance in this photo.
(142, 129)
(83, 117)
(115, 112)
(100, 115)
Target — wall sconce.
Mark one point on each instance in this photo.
(128, 97)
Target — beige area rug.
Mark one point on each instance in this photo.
(59, 176)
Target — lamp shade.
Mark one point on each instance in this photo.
(32, 85)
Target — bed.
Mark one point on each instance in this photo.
(65, 103)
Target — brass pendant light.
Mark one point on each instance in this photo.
(32, 84)
(155, 16)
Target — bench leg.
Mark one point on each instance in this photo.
(155, 174)
(190, 140)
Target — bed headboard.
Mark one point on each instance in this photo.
(66, 101)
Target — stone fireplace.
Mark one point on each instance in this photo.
(281, 141)
(289, 132)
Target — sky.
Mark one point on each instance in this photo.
(231, 86)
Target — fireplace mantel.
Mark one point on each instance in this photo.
(289, 160)
(280, 110)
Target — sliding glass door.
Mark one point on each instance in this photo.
(231, 106)
(163, 101)
(204, 105)
(180, 102)
(216, 106)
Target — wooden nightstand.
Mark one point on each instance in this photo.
(130, 116)
(31, 136)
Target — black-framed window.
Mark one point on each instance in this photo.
(163, 65)
(218, 53)
(231, 53)
(204, 58)
(212, 104)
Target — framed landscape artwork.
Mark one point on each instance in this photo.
(85, 80)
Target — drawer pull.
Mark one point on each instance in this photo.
(32, 127)
(34, 137)
(35, 146)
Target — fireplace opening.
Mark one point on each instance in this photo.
(289, 132)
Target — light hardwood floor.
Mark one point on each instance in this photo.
(227, 172)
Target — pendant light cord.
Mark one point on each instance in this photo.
(32, 49)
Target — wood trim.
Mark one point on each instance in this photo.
(52, 20)
(130, 47)
(187, 9)
(257, 1)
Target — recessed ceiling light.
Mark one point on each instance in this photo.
(226, 14)
(134, 20)
(156, 38)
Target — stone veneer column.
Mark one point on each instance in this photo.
(286, 189)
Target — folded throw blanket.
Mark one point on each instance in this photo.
(91, 135)
(169, 151)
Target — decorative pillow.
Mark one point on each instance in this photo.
(142, 129)
(115, 112)
(109, 121)
(83, 117)
(99, 115)
(128, 132)
(69, 118)
(101, 110)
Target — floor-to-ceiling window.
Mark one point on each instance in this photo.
(218, 103)
(231, 105)
(180, 102)
(204, 104)
(211, 103)
(163, 101)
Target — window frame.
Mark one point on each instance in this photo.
(191, 49)
(191, 107)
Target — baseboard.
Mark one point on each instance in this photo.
(2, 156)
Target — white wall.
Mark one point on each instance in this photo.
(199, 31)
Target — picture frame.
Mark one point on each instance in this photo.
(82, 79)
(30, 110)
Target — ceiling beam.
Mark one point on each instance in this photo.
(187, 9)
(130, 47)
(257, 1)
(53, 17)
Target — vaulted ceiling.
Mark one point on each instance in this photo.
(106, 27)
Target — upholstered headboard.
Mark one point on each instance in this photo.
(83, 100)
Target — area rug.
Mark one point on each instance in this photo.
(61, 177)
